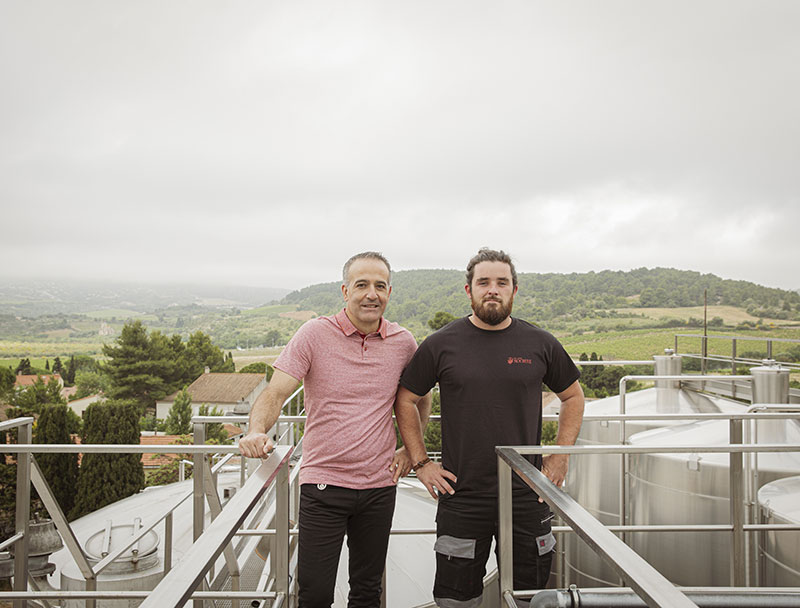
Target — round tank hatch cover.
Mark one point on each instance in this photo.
(100, 544)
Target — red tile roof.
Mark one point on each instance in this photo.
(221, 388)
(30, 379)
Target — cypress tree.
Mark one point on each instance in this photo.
(107, 478)
(179, 419)
(60, 470)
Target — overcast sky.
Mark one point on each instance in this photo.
(263, 143)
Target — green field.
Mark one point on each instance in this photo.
(118, 314)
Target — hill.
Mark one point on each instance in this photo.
(558, 299)
(48, 320)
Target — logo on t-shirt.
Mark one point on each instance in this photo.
(513, 360)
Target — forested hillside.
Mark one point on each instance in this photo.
(418, 294)
(568, 304)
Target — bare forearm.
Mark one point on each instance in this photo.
(409, 423)
(570, 418)
(424, 409)
(267, 407)
(265, 411)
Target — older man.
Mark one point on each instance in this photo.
(350, 364)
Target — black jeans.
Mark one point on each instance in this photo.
(327, 513)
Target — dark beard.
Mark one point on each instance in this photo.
(492, 315)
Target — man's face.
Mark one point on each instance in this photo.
(492, 292)
(366, 293)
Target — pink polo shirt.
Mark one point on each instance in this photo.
(350, 384)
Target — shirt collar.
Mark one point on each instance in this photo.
(349, 329)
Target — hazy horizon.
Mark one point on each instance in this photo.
(262, 144)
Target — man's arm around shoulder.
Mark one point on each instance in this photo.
(264, 414)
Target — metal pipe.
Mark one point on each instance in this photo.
(625, 598)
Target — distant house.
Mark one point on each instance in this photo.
(231, 393)
(27, 380)
(79, 405)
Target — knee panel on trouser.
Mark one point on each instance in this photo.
(460, 568)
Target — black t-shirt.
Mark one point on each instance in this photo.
(491, 391)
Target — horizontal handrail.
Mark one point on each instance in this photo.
(14, 423)
(10, 541)
(131, 595)
(738, 338)
(731, 448)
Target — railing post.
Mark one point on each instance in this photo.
(23, 514)
(199, 496)
(505, 564)
(280, 564)
(733, 367)
(168, 542)
(738, 578)
(623, 472)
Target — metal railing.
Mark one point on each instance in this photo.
(648, 583)
(216, 539)
(734, 359)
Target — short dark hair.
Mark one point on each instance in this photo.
(490, 255)
(365, 255)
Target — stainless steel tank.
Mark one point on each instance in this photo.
(594, 480)
(694, 489)
(779, 502)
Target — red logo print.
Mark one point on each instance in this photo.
(513, 360)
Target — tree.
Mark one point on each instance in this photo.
(60, 470)
(135, 372)
(107, 478)
(91, 383)
(24, 367)
(201, 353)
(30, 400)
(58, 368)
(7, 379)
(179, 419)
(69, 376)
(258, 367)
(215, 432)
(440, 319)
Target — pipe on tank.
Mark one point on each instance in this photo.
(575, 598)
(667, 391)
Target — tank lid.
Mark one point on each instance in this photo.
(103, 542)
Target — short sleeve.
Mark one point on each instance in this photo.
(420, 374)
(296, 357)
(561, 370)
